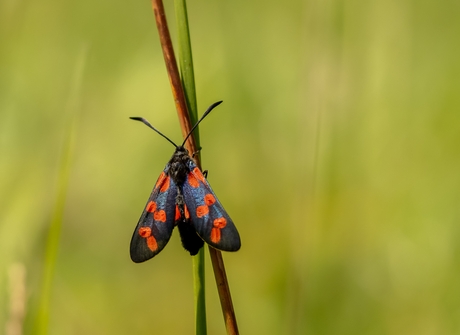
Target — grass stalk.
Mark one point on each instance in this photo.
(187, 112)
(188, 84)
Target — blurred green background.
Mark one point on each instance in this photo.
(336, 152)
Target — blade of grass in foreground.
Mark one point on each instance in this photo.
(188, 83)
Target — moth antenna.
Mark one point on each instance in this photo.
(210, 108)
(147, 123)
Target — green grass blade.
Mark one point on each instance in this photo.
(188, 83)
(186, 63)
(199, 288)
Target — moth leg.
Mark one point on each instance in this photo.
(205, 174)
(196, 152)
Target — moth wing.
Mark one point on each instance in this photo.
(156, 223)
(208, 216)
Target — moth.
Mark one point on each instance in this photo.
(182, 197)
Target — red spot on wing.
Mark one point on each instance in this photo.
(151, 207)
(152, 243)
(202, 211)
(145, 232)
(215, 235)
(187, 214)
(219, 223)
(160, 216)
(199, 175)
(192, 180)
(177, 217)
(215, 231)
(165, 185)
(160, 179)
(209, 199)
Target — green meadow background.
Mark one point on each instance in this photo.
(336, 152)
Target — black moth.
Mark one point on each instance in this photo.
(182, 197)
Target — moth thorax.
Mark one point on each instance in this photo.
(178, 163)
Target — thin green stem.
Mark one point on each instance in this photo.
(186, 63)
(188, 83)
(200, 292)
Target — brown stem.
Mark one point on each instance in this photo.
(224, 291)
(184, 120)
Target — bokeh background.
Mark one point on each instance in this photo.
(336, 152)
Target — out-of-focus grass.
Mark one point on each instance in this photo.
(53, 233)
(335, 152)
